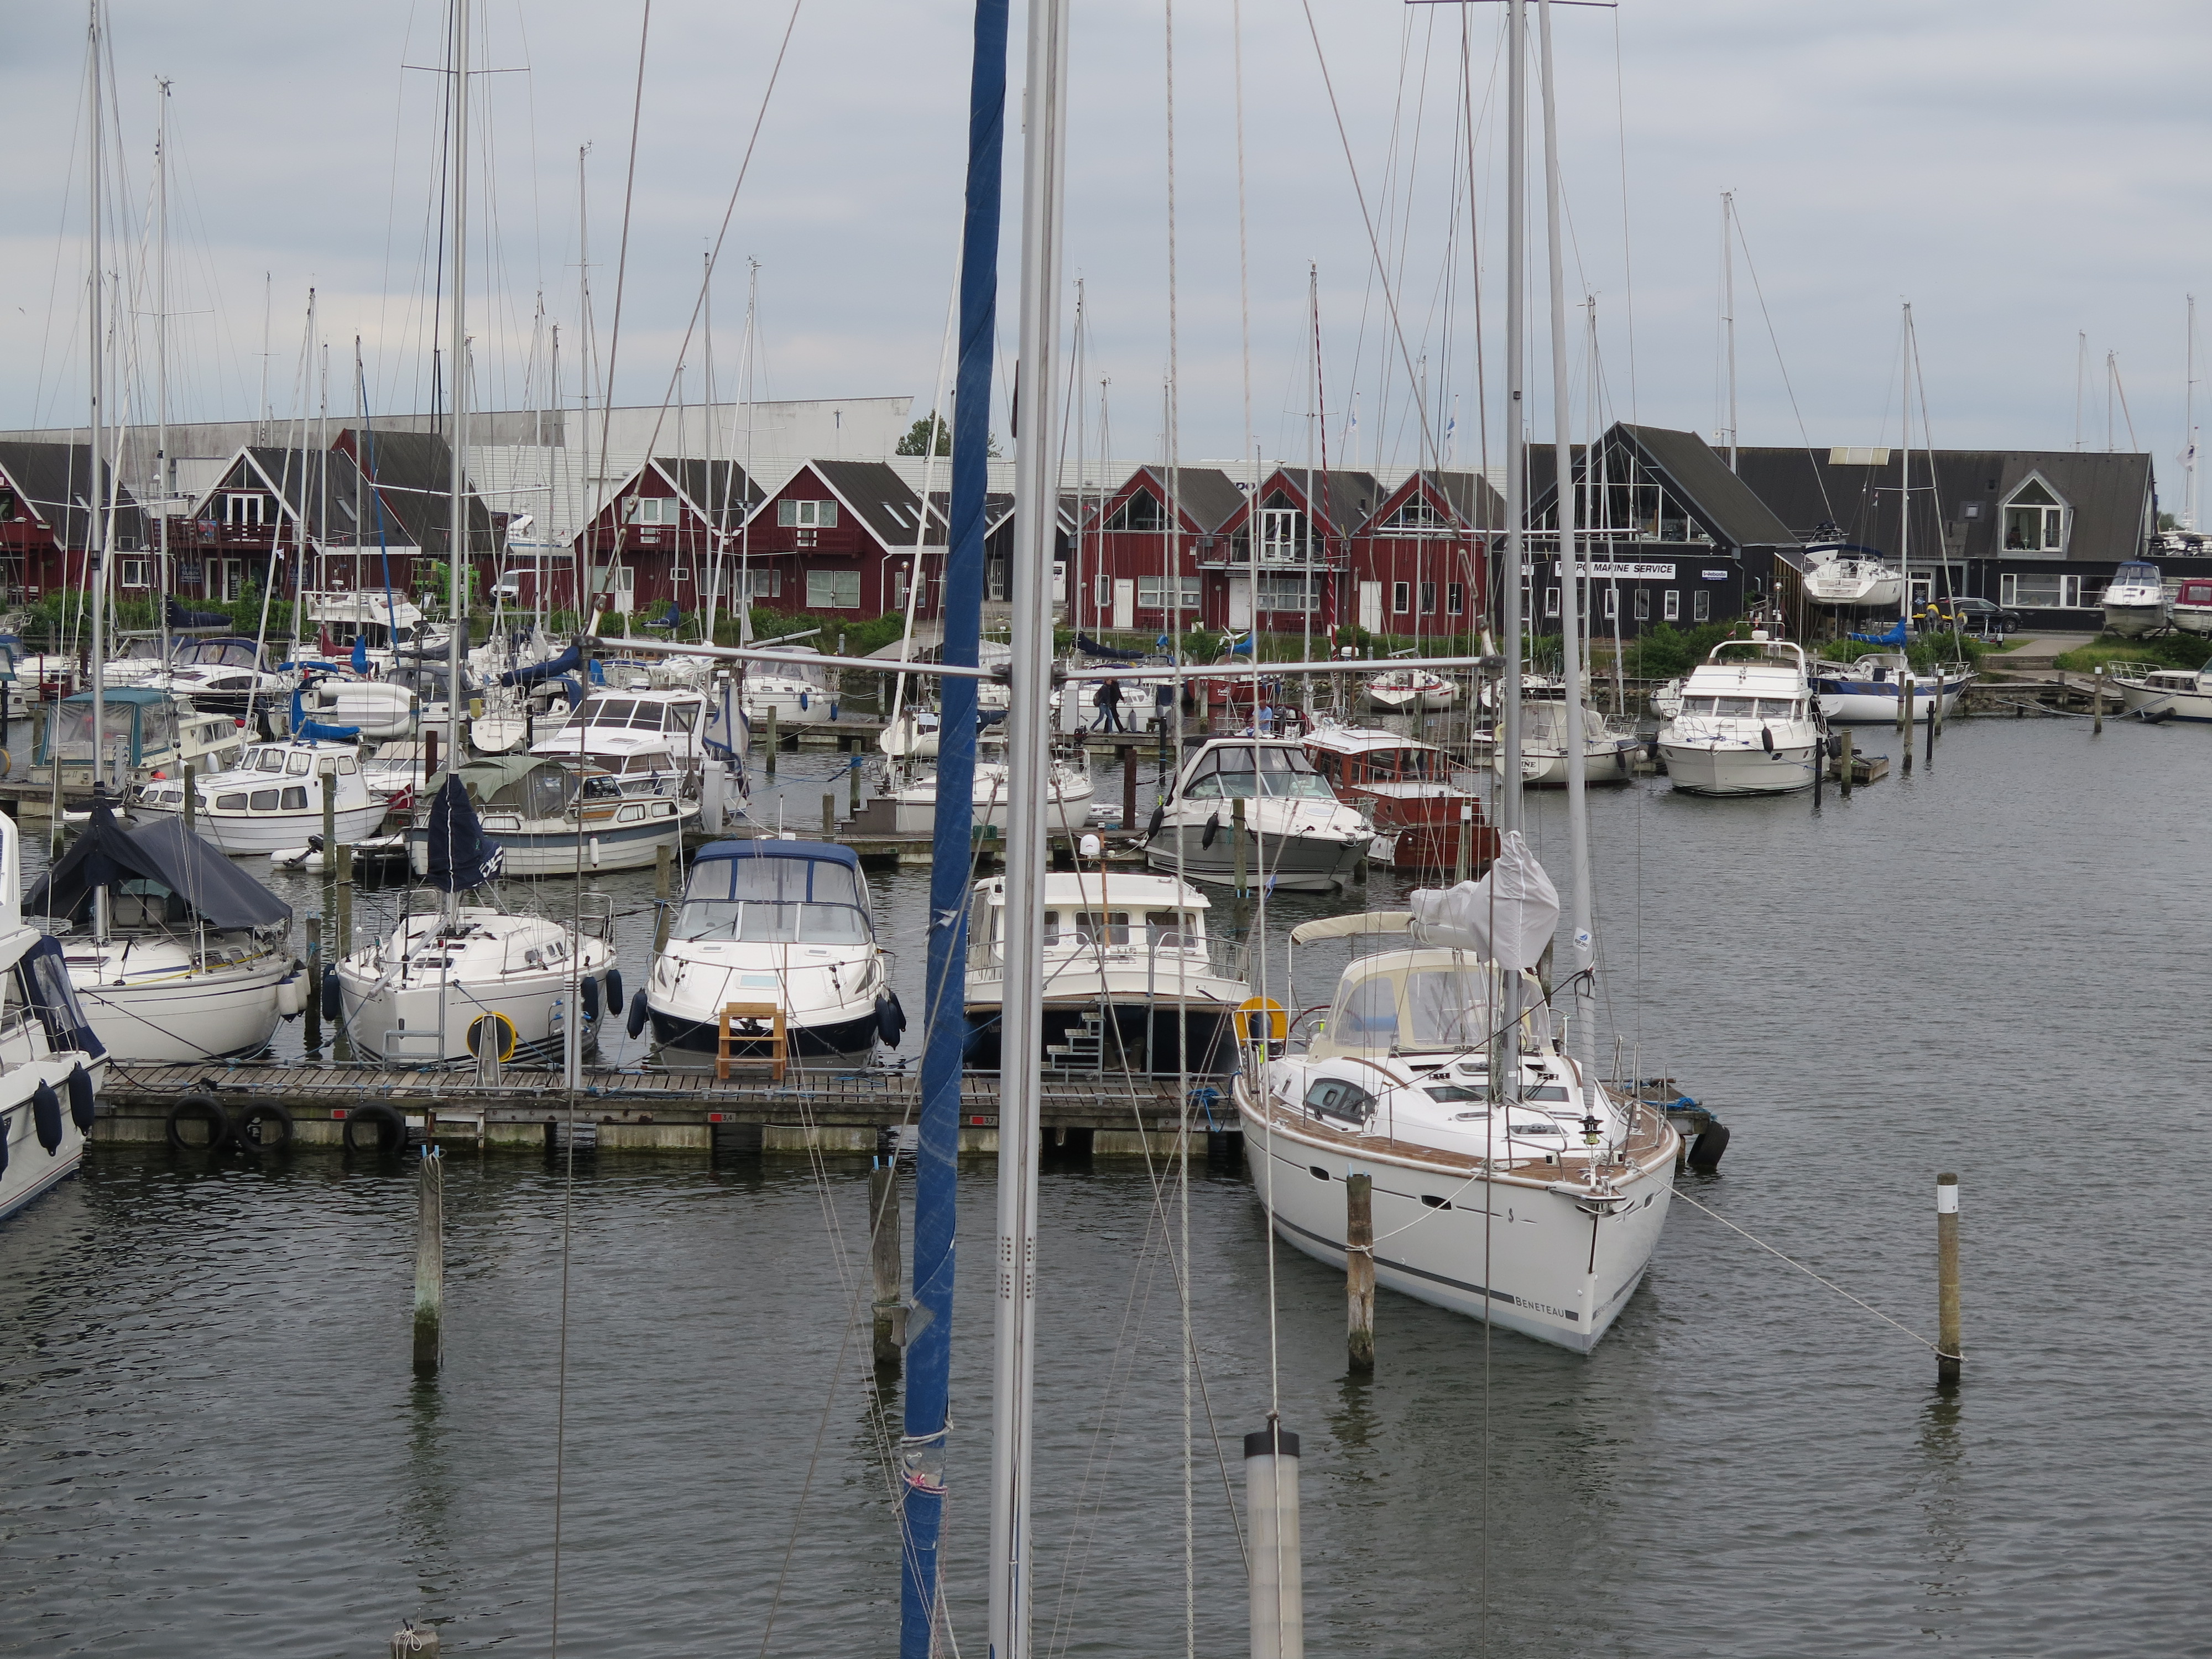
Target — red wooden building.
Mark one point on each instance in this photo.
(1416, 565)
(46, 491)
(1118, 574)
(838, 539)
(658, 540)
(1305, 521)
(292, 510)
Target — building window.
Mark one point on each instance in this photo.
(833, 589)
(1153, 593)
(1300, 593)
(2034, 520)
(1282, 533)
(1141, 512)
(1643, 604)
(2033, 591)
(1612, 603)
(1417, 517)
(1673, 609)
(1701, 605)
(1102, 592)
(1428, 599)
(760, 584)
(1551, 601)
(241, 510)
(651, 509)
(1401, 598)
(1455, 598)
(131, 573)
(806, 515)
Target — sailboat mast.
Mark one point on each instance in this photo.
(1905, 479)
(1584, 944)
(162, 364)
(457, 545)
(1728, 308)
(2189, 425)
(95, 538)
(1516, 433)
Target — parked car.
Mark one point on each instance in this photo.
(1970, 615)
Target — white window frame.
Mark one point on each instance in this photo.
(1282, 534)
(235, 510)
(1428, 599)
(650, 510)
(1673, 608)
(806, 515)
(1102, 592)
(2058, 513)
(1282, 594)
(1643, 604)
(1551, 601)
(1454, 599)
(1401, 598)
(131, 573)
(824, 589)
(1701, 606)
(1153, 594)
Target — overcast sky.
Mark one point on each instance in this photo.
(2023, 172)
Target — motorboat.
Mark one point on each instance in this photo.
(2135, 600)
(176, 955)
(2156, 695)
(531, 700)
(910, 808)
(273, 799)
(1295, 835)
(396, 771)
(2192, 607)
(1423, 819)
(913, 735)
(1748, 724)
(52, 1065)
(461, 975)
(550, 816)
(1608, 750)
(1537, 1206)
(781, 931)
(797, 690)
(147, 735)
(226, 676)
(1409, 690)
(1864, 692)
(1132, 984)
(640, 762)
(1843, 577)
(381, 622)
(670, 719)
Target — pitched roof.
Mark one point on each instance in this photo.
(877, 496)
(1852, 494)
(720, 486)
(1343, 501)
(1207, 496)
(298, 478)
(1696, 476)
(54, 480)
(1473, 500)
(412, 474)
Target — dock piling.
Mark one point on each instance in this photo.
(330, 845)
(315, 1009)
(853, 777)
(1947, 1354)
(1128, 786)
(884, 1260)
(1237, 851)
(1904, 724)
(2097, 701)
(430, 1264)
(830, 815)
(1359, 1270)
(773, 740)
(345, 901)
(1846, 763)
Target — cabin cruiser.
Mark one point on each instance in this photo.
(667, 719)
(2191, 609)
(1846, 578)
(910, 808)
(1423, 820)
(1608, 751)
(176, 955)
(149, 735)
(798, 690)
(1409, 690)
(527, 805)
(381, 622)
(1296, 836)
(229, 675)
(273, 799)
(1865, 692)
(1539, 1211)
(1748, 724)
(2155, 693)
(51, 1064)
(461, 975)
(1127, 967)
(778, 925)
(2135, 600)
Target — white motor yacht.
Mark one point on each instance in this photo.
(1297, 835)
(2135, 600)
(2192, 606)
(775, 925)
(1409, 690)
(1131, 981)
(1537, 1206)
(1865, 691)
(1747, 725)
(1607, 749)
(798, 690)
(50, 1063)
(912, 805)
(274, 799)
(177, 954)
(381, 622)
(669, 719)
(2156, 694)
(463, 975)
(147, 733)
(1846, 578)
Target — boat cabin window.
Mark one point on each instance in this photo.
(295, 801)
(1240, 773)
(773, 901)
(1169, 930)
(1445, 1008)
(1335, 1098)
(2135, 575)
(268, 760)
(299, 765)
(264, 800)
(1103, 927)
(1367, 1012)
(230, 803)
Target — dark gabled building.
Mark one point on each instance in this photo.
(299, 503)
(46, 491)
(2035, 530)
(408, 511)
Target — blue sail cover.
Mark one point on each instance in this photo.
(460, 856)
(181, 618)
(1091, 648)
(567, 663)
(315, 730)
(1895, 637)
(46, 982)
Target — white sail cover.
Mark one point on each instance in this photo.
(1507, 917)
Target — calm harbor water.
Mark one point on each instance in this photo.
(209, 1440)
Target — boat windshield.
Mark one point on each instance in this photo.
(1240, 773)
(1432, 1008)
(1748, 709)
(773, 901)
(2135, 575)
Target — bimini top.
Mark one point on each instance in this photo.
(159, 858)
(144, 696)
(764, 848)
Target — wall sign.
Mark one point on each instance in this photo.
(1716, 575)
(1624, 569)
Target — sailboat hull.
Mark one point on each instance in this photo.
(838, 1045)
(187, 1016)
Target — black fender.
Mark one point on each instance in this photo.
(614, 990)
(201, 1106)
(334, 1005)
(83, 1108)
(46, 1116)
(890, 1019)
(1212, 829)
(638, 1014)
(1159, 816)
(588, 991)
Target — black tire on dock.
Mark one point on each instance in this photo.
(1705, 1151)
(265, 1126)
(390, 1127)
(638, 1014)
(202, 1106)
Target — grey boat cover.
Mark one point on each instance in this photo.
(160, 855)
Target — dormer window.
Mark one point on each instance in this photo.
(1141, 512)
(2034, 520)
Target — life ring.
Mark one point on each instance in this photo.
(83, 1108)
(1266, 1012)
(614, 989)
(638, 1014)
(390, 1127)
(202, 1106)
(265, 1126)
(506, 1030)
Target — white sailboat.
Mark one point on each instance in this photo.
(1410, 690)
(912, 804)
(552, 817)
(1841, 577)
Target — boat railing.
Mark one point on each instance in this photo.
(1162, 956)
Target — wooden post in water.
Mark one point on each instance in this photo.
(1847, 763)
(430, 1264)
(884, 1260)
(772, 740)
(2097, 701)
(1237, 852)
(1128, 787)
(345, 901)
(1359, 1270)
(1947, 1354)
(1904, 723)
(329, 780)
(314, 1009)
(664, 859)
(854, 779)
(830, 815)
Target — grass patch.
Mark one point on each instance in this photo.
(2167, 651)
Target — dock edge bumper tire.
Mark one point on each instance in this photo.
(390, 1128)
(1705, 1152)
(203, 1106)
(265, 1126)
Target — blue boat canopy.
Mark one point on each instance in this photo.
(765, 848)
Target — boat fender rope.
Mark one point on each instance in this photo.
(83, 1107)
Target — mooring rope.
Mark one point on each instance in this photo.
(1805, 1270)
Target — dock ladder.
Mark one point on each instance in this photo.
(777, 1055)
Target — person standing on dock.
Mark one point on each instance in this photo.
(1107, 700)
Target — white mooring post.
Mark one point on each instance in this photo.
(1271, 1502)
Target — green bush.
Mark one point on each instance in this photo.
(2167, 651)
(1668, 653)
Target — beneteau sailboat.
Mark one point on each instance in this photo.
(1842, 577)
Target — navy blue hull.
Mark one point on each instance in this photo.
(847, 1043)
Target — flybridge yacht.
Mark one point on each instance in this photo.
(1748, 724)
(608, 726)
(1296, 834)
(2135, 600)
(778, 925)
(1536, 1205)
(176, 955)
(1132, 983)
(1847, 578)
(50, 1063)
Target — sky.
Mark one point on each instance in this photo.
(2032, 177)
